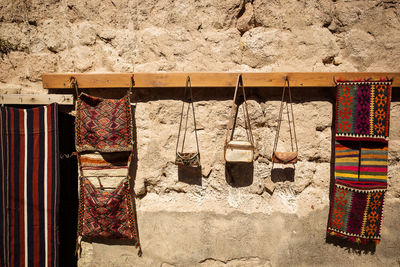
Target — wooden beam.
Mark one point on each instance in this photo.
(16, 99)
(208, 79)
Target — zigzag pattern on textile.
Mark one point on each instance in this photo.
(103, 125)
(106, 214)
(104, 142)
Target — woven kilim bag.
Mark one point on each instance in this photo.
(104, 145)
(103, 125)
(105, 214)
(361, 160)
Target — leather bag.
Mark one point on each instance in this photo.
(236, 150)
(279, 156)
(191, 159)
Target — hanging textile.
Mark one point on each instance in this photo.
(29, 186)
(361, 153)
(363, 111)
(104, 142)
(103, 125)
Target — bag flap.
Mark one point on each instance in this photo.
(285, 156)
(187, 156)
(240, 144)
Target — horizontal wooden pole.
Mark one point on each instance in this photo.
(16, 99)
(208, 79)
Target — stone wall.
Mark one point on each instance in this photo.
(250, 216)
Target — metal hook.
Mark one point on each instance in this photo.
(334, 80)
(73, 82)
(67, 156)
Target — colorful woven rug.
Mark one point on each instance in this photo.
(103, 125)
(361, 153)
(363, 110)
(360, 186)
(29, 186)
(104, 142)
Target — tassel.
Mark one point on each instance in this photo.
(78, 246)
(140, 251)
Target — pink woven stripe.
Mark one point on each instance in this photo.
(346, 168)
(373, 169)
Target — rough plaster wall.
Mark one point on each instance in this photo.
(263, 219)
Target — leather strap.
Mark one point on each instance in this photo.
(188, 86)
(292, 136)
(233, 115)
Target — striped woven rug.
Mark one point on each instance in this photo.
(29, 186)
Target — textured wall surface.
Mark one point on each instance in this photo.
(250, 216)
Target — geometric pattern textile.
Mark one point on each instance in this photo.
(356, 214)
(363, 110)
(106, 214)
(359, 191)
(104, 145)
(103, 125)
(29, 186)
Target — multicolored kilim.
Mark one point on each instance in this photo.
(29, 186)
(106, 214)
(361, 154)
(103, 125)
(104, 143)
(363, 110)
(360, 185)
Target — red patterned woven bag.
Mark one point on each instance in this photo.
(103, 125)
(105, 214)
(103, 135)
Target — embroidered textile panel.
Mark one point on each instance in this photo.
(29, 186)
(103, 125)
(363, 110)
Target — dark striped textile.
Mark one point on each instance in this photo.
(29, 186)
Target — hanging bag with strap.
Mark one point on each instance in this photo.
(185, 158)
(285, 157)
(236, 150)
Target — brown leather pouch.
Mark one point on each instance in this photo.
(289, 157)
(284, 157)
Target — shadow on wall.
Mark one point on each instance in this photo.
(190, 175)
(351, 247)
(239, 174)
(283, 174)
(68, 209)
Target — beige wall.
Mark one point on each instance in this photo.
(261, 219)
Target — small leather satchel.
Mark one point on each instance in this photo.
(285, 157)
(235, 150)
(184, 158)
